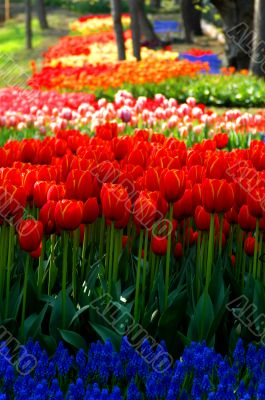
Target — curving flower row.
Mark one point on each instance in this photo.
(45, 111)
(91, 24)
(90, 62)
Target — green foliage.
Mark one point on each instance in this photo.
(215, 90)
(86, 7)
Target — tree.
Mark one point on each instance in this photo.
(155, 4)
(146, 28)
(191, 18)
(28, 24)
(196, 18)
(186, 11)
(135, 27)
(258, 54)
(41, 13)
(237, 16)
(7, 10)
(116, 15)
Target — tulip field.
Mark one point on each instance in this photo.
(135, 220)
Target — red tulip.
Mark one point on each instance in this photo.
(107, 172)
(202, 219)
(152, 178)
(183, 208)
(44, 155)
(178, 250)
(107, 131)
(28, 150)
(159, 245)
(256, 202)
(172, 184)
(144, 211)
(60, 147)
(68, 214)
(246, 221)
(79, 185)
(115, 202)
(197, 195)
(221, 140)
(196, 173)
(46, 216)
(124, 241)
(216, 167)
(217, 195)
(30, 234)
(56, 192)
(36, 253)
(232, 216)
(233, 260)
(29, 178)
(249, 246)
(40, 191)
(91, 211)
(121, 147)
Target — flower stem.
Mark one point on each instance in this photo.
(198, 271)
(102, 236)
(74, 263)
(24, 301)
(259, 254)
(110, 250)
(64, 277)
(84, 247)
(256, 249)
(145, 264)
(52, 264)
(9, 266)
(210, 252)
(40, 266)
(243, 270)
(152, 270)
(221, 235)
(117, 240)
(4, 240)
(168, 258)
(138, 276)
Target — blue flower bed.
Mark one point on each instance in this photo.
(212, 59)
(103, 373)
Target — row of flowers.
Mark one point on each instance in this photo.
(41, 112)
(89, 61)
(137, 205)
(102, 373)
(90, 24)
(107, 75)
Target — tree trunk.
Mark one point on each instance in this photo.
(258, 55)
(116, 15)
(28, 24)
(7, 10)
(186, 11)
(135, 27)
(237, 16)
(196, 19)
(155, 4)
(146, 28)
(41, 13)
